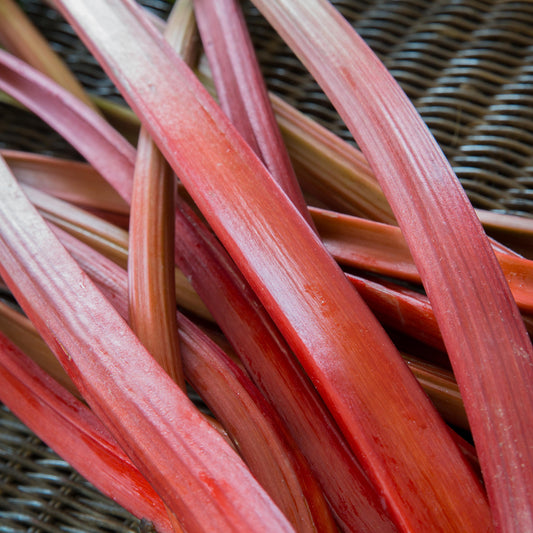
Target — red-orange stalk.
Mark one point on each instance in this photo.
(241, 90)
(480, 323)
(308, 418)
(152, 293)
(258, 433)
(195, 472)
(151, 251)
(395, 432)
(382, 249)
(70, 428)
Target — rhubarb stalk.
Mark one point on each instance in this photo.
(242, 92)
(395, 432)
(72, 181)
(194, 471)
(71, 429)
(23, 39)
(151, 252)
(258, 433)
(485, 337)
(21, 331)
(151, 259)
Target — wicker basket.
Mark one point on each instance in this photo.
(468, 67)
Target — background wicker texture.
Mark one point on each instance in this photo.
(468, 67)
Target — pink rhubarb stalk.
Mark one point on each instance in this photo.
(480, 323)
(396, 433)
(334, 464)
(242, 92)
(258, 433)
(70, 428)
(189, 465)
(109, 153)
(21, 331)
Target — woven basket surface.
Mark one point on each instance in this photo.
(467, 65)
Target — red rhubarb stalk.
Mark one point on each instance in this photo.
(334, 464)
(194, 471)
(277, 373)
(396, 433)
(339, 473)
(382, 248)
(70, 428)
(242, 92)
(270, 362)
(400, 308)
(53, 104)
(485, 337)
(258, 433)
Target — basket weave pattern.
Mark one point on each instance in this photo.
(466, 65)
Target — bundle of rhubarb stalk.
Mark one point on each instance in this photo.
(252, 283)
